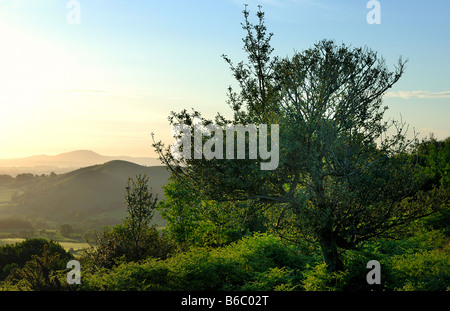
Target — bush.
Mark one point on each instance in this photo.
(319, 278)
(277, 279)
(129, 276)
(15, 256)
(418, 262)
(422, 271)
(116, 245)
(40, 273)
(241, 265)
(263, 263)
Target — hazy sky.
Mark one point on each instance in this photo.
(107, 83)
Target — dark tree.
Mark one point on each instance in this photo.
(141, 205)
(136, 238)
(341, 178)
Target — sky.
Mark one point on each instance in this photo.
(106, 78)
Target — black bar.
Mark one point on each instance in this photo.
(201, 300)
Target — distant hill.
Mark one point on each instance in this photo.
(90, 195)
(65, 162)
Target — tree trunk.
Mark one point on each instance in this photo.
(330, 254)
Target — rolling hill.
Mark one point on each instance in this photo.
(65, 162)
(93, 195)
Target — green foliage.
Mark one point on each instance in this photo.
(439, 221)
(115, 245)
(342, 198)
(181, 211)
(422, 271)
(263, 262)
(192, 221)
(274, 279)
(135, 239)
(39, 274)
(319, 278)
(241, 265)
(141, 207)
(342, 179)
(419, 262)
(434, 156)
(17, 255)
(140, 204)
(34, 264)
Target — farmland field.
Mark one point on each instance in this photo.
(75, 245)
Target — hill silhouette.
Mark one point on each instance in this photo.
(92, 195)
(65, 162)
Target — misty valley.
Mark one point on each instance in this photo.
(70, 207)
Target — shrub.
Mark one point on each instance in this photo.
(319, 278)
(422, 271)
(242, 265)
(115, 245)
(15, 256)
(278, 279)
(262, 262)
(40, 273)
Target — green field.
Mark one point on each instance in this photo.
(73, 244)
